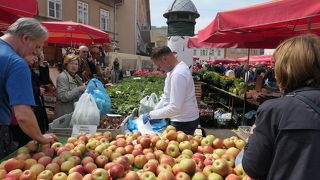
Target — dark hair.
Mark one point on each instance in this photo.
(160, 51)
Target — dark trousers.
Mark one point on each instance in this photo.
(7, 145)
(186, 127)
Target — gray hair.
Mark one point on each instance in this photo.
(28, 26)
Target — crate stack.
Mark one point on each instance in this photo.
(198, 91)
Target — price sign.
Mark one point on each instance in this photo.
(89, 129)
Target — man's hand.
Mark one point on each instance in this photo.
(48, 138)
(145, 118)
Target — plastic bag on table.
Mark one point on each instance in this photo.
(148, 103)
(144, 128)
(158, 124)
(102, 99)
(86, 111)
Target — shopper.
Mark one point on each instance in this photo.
(69, 86)
(285, 143)
(87, 68)
(39, 108)
(22, 38)
(116, 70)
(179, 100)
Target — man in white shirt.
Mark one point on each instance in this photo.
(179, 101)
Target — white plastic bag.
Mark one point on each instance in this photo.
(144, 128)
(86, 111)
(148, 103)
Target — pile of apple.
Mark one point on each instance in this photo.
(174, 155)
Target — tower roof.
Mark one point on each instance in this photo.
(181, 6)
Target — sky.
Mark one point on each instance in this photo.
(206, 8)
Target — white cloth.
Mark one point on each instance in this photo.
(230, 73)
(179, 100)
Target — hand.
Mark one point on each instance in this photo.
(48, 138)
(145, 118)
(83, 87)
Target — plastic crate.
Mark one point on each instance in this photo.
(244, 131)
(61, 125)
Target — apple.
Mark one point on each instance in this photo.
(59, 160)
(171, 135)
(182, 176)
(233, 177)
(48, 151)
(131, 175)
(185, 145)
(153, 161)
(229, 158)
(131, 158)
(147, 150)
(198, 139)
(239, 170)
(89, 167)
(14, 174)
(181, 157)
(108, 165)
(188, 166)
(165, 159)
(28, 163)
(93, 154)
(187, 152)
(165, 175)
(100, 174)
(246, 177)
(173, 150)
(137, 152)
(158, 153)
(77, 168)
(23, 156)
(199, 176)
(81, 147)
(175, 169)
(65, 155)
(173, 142)
(194, 145)
(101, 160)
(60, 176)
(115, 156)
(123, 161)
(53, 167)
(69, 145)
(234, 138)
(182, 137)
(163, 167)
(228, 143)
(121, 142)
(45, 160)
(240, 144)
(206, 142)
(37, 168)
(72, 140)
(46, 174)
(233, 151)
(117, 171)
(154, 140)
(27, 175)
(66, 166)
(91, 145)
(56, 146)
(86, 159)
(145, 142)
(74, 175)
(208, 161)
(220, 167)
(219, 152)
(13, 163)
(150, 167)
(148, 176)
(38, 155)
(107, 135)
(140, 161)
(23, 150)
(32, 145)
(207, 150)
(218, 143)
(150, 155)
(161, 145)
(3, 173)
(215, 176)
(199, 156)
(199, 163)
(129, 149)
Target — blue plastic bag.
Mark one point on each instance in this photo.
(156, 124)
(102, 99)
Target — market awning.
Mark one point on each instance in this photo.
(68, 32)
(264, 25)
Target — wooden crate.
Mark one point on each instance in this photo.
(198, 91)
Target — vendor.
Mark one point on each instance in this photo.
(69, 86)
(285, 143)
(22, 38)
(179, 100)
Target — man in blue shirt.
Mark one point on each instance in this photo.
(21, 39)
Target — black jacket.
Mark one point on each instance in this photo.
(285, 143)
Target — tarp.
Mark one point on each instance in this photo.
(68, 32)
(264, 25)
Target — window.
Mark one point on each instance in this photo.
(82, 12)
(54, 9)
(194, 52)
(219, 52)
(104, 20)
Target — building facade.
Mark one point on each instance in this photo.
(159, 36)
(126, 21)
(204, 54)
(235, 53)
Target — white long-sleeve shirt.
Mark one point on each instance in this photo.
(179, 100)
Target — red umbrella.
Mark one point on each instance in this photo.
(68, 32)
(264, 25)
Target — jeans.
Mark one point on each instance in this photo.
(116, 76)
(186, 127)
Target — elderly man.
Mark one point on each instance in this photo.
(21, 39)
(87, 65)
(179, 100)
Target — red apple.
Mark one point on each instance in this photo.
(14, 174)
(218, 143)
(131, 175)
(173, 150)
(207, 150)
(228, 143)
(89, 167)
(233, 177)
(140, 161)
(45, 160)
(53, 167)
(165, 175)
(101, 160)
(221, 167)
(100, 174)
(117, 171)
(13, 163)
(27, 175)
(74, 175)
(163, 167)
(182, 176)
